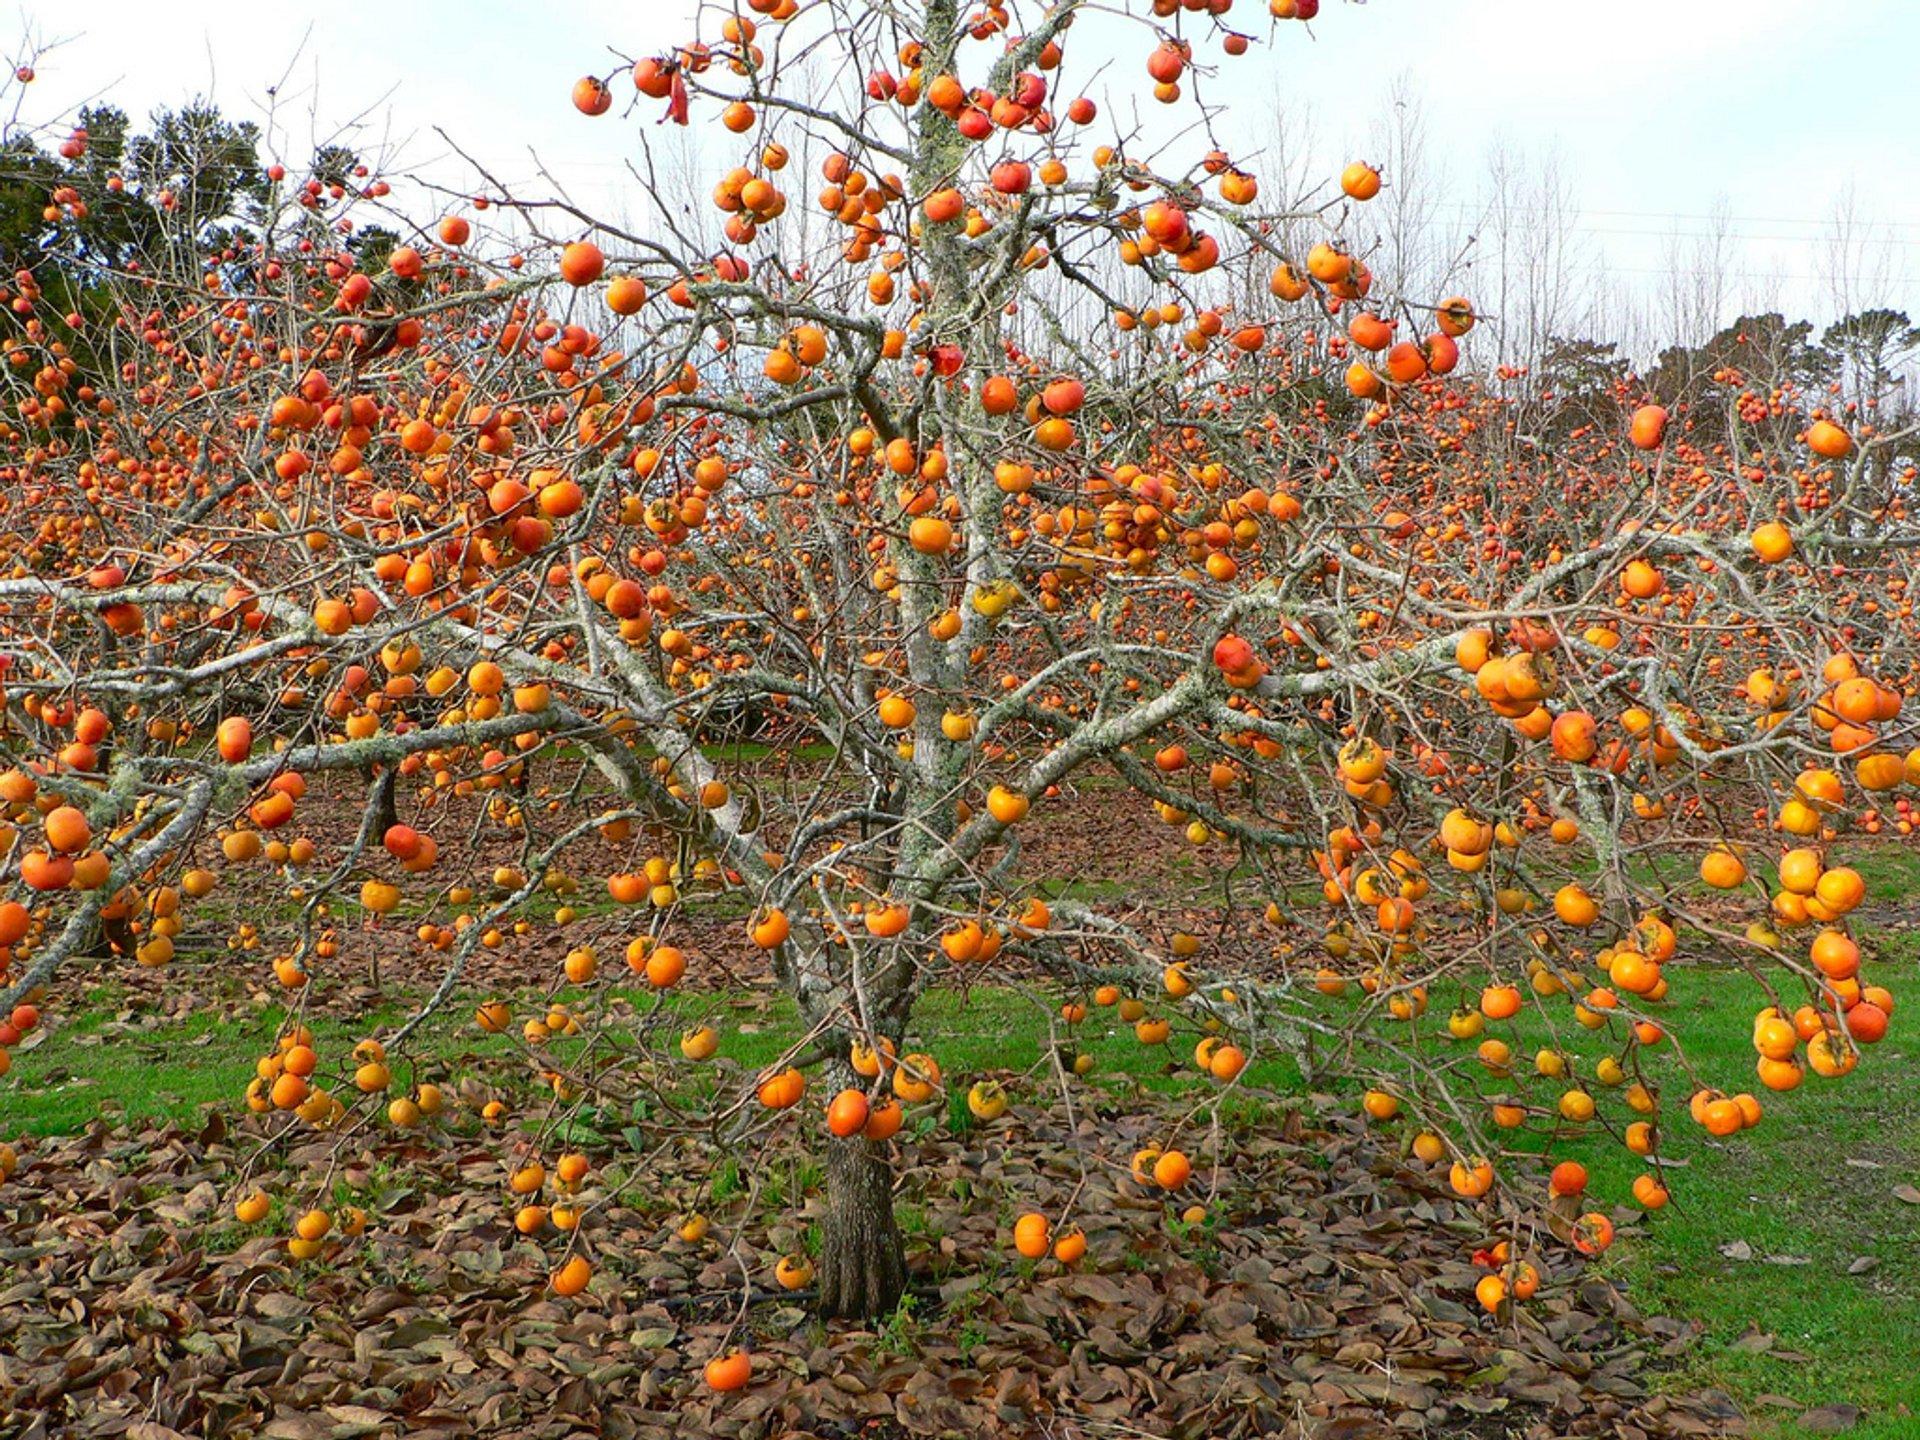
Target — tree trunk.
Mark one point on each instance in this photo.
(386, 815)
(863, 1267)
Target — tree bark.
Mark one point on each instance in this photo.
(386, 815)
(863, 1266)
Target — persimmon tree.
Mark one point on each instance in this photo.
(1019, 450)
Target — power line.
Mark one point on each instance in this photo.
(1710, 217)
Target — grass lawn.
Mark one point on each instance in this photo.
(108, 1061)
(1789, 1242)
(1795, 1245)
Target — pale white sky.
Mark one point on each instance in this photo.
(1773, 110)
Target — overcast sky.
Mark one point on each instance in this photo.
(1771, 111)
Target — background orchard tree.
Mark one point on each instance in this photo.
(1030, 453)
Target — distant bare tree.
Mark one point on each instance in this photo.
(1413, 247)
(1529, 239)
(1695, 268)
(1865, 266)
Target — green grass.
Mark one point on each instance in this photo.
(1786, 1193)
(102, 1066)
(719, 751)
(141, 1068)
(1892, 873)
(992, 1029)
